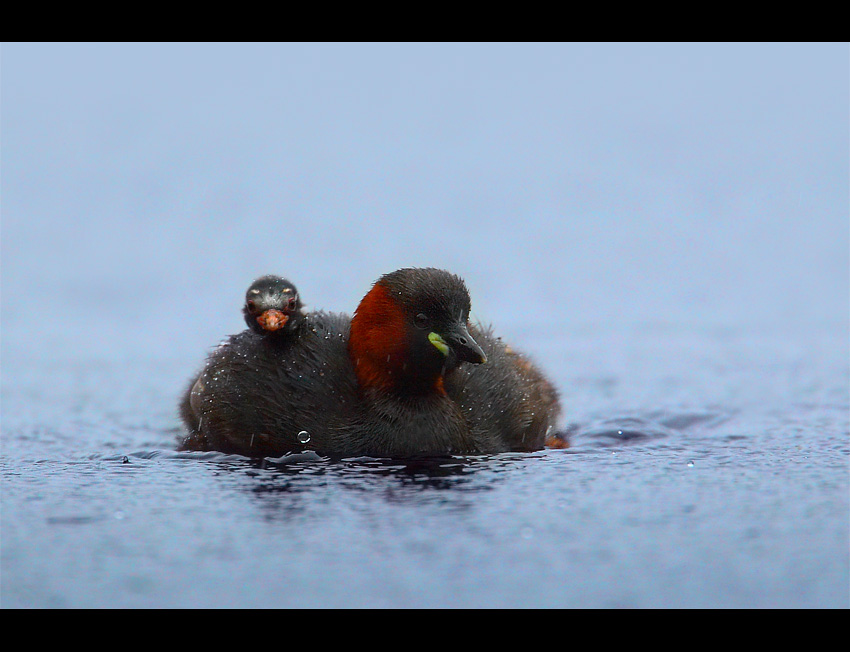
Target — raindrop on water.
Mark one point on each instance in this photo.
(690, 464)
(303, 436)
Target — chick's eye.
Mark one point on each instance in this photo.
(421, 320)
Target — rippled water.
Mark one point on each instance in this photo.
(707, 468)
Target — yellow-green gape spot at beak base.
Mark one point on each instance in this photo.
(439, 342)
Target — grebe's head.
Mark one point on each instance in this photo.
(409, 328)
(272, 305)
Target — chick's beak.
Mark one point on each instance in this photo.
(464, 346)
(272, 320)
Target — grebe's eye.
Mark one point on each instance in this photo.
(421, 320)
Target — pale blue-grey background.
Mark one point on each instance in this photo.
(144, 186)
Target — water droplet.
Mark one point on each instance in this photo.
(125, 460)
(690, 463)
(304, 436)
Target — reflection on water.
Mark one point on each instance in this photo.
(284, 489)
(282, 486)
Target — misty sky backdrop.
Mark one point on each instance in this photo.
(573, 185)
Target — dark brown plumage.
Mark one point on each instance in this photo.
(403, 377)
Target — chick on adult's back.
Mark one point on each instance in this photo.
(273, 313)
(395, 381)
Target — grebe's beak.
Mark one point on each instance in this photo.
(460, 342)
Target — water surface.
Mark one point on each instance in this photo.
(707, 469)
